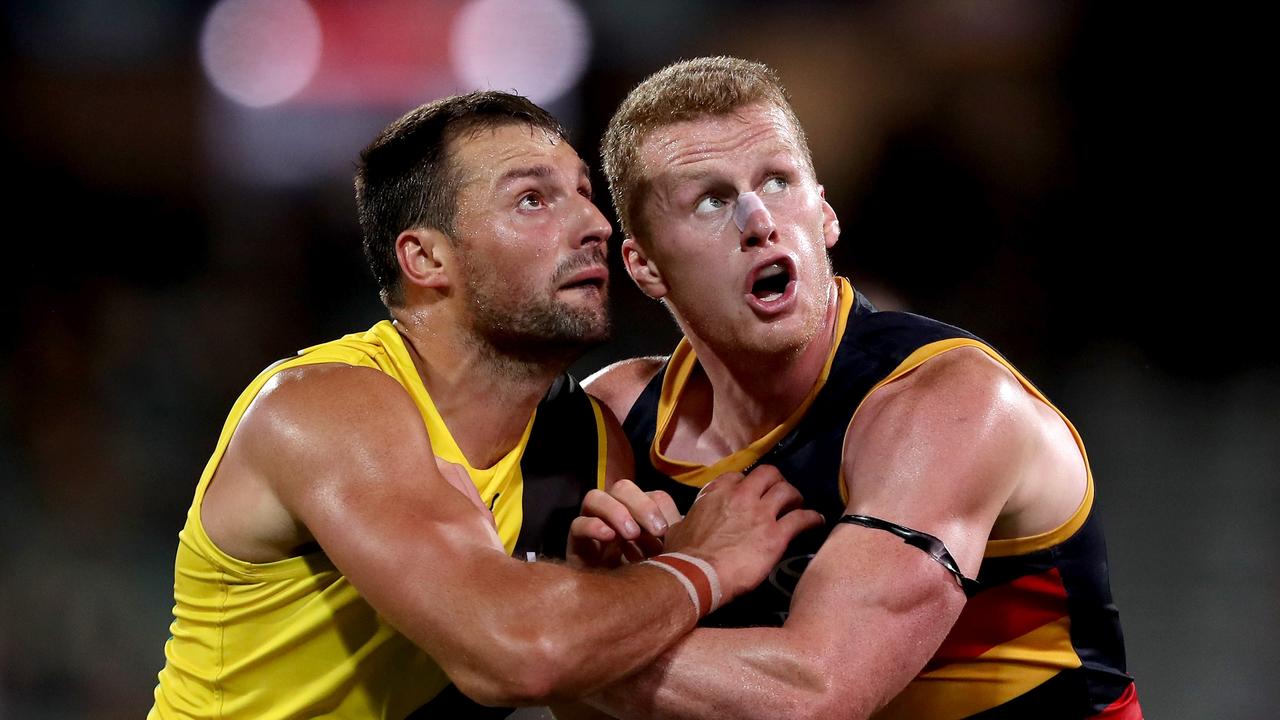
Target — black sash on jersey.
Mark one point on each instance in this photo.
(559, 468)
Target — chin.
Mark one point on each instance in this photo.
(787, 336)
(584, 326)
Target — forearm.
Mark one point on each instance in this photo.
(865, 618)
(564, 634)
(738, 673)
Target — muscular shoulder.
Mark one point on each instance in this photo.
(961, 424)
(316, 415)
(619, 384)
(296, 437)
(963, 386)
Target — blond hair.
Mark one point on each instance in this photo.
(685, 90)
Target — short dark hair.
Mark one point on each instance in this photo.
(684, 90)
(406, 179)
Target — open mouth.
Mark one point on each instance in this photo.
(593, 278)
(771, 282)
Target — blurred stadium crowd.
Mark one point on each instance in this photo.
(1060, 178)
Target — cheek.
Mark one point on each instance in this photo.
(525, 242)
(807, 205)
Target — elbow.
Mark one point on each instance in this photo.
(817, 691)
(838, 698)
(824, 704)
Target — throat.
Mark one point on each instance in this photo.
(484, 427)
(731, 401)
(711, 422)
(484, 400)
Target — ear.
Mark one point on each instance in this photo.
(425, 256)
(830, 223)
(642, 269)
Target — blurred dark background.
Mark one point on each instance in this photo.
(1079, 183)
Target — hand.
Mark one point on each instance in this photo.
(741, 524)
(623, 524)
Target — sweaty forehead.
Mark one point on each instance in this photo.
(689, 147)
(486, 155)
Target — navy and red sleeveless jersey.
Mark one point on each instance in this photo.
(1040, 637)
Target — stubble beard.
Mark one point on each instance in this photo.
(535, 331)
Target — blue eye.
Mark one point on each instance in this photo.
(709, 204)
(532, 201)
(773, 184)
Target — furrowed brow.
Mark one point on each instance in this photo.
(527, 171)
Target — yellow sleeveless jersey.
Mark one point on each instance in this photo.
(293, 638)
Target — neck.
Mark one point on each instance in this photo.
(744, 395)
(484, 396)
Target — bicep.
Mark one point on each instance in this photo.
(362, 478)
(938, 453)
(873, 610)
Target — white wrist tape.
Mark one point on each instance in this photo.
(697, 576)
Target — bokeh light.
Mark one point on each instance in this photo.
(260, 52)
(538, 48)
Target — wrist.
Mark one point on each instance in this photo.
(698, 577)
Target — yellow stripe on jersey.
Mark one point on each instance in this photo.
(1004, 672)
(1010, 546)
(502, 479)
(602, 445)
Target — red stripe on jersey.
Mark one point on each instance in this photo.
(1000, 614)
(1124, 708)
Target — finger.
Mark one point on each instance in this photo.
(760, 479)
(642, 507)
(602, 505)
(727, 480)
(649, 545)
(583, 553)
(798, 521)
(667, 506)
(783, 497)
(582, 550)
(632, 552)
(591, 528)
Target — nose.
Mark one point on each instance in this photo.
(595, 227)
(755, 223)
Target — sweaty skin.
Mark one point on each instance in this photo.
(338, 456)
(957, 448)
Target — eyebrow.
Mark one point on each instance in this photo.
(703, 174)
(535, 171)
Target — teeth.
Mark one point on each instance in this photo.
(770, 271)
(771, 297)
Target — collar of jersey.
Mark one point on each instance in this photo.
(442, 442)
(679, 369)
